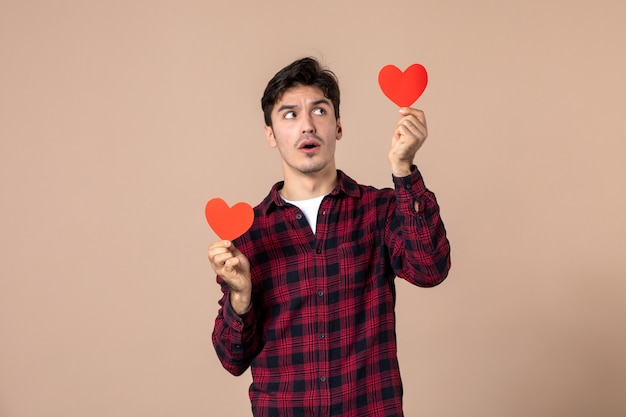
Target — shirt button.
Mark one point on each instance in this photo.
(322, 336)
(323, 379)
(298, 216)
(320, 293)
(318, 251)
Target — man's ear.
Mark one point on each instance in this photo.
(339, 130)
(269, 136)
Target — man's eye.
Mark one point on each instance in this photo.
(289, 115)
(319, 111)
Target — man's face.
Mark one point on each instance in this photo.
(304, 130)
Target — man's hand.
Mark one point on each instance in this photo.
(234, 268)
(409, 136)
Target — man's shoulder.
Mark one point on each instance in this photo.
(354, 188)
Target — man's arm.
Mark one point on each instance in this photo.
(235, 336)
(416, 236)
(235, 333)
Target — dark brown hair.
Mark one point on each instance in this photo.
(306, 72)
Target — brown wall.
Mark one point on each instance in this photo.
(120, 119)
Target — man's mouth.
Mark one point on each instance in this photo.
(309, 145)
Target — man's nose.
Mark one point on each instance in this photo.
(308, 126)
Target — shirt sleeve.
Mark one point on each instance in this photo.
(235, 336)
(417, 241)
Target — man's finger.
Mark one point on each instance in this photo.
(230, 264)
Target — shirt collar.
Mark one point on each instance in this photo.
(345, 185)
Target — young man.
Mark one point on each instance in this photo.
(308, 292)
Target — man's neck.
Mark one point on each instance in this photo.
(306, 186)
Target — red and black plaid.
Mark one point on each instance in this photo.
(320, 336)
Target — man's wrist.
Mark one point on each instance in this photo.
(240, 302)
(401, 169)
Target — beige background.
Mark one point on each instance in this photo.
(120, 119)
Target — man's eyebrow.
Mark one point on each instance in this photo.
(295, 106)
(321, 101)
(286, 107)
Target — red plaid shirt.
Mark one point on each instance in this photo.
(320, 336)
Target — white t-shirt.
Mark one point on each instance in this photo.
(310, 209)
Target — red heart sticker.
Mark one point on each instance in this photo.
(403, 88)
(228, 222)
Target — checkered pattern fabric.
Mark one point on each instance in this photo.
(320, 335)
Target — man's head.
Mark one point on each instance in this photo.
(303, 72)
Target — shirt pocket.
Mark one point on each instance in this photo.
(357, 263)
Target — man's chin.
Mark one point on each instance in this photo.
(313, 168)
(310, 171)
(310, 166)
